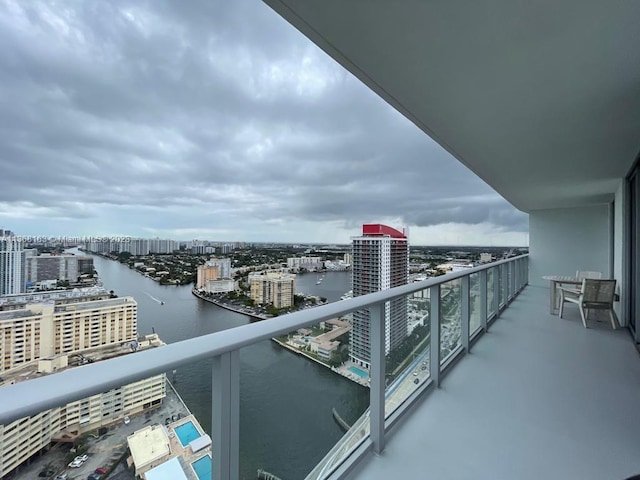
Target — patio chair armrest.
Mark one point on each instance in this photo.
(574, 290)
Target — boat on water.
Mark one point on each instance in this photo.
(319, 280)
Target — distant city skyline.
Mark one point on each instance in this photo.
(42, 238)
(216, 121)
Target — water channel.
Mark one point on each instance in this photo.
(286, 426)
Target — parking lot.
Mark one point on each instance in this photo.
(108, 450)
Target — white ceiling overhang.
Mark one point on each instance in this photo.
(540, 99)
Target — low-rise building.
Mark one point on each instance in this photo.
(149, 447)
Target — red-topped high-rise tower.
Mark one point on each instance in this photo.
(380, 260)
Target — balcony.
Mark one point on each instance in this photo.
(536, 396)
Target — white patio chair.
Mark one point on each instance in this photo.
(595, 294)
(574, 290)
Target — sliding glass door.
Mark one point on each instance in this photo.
(634, 248)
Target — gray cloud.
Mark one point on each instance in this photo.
(169, 116)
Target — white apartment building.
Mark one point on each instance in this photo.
(308, 263)
(27, 436)
(52, 267)
(222, 285)
(39, 330)
(486, 258)
(273, 288)
(12, 258)
(163, 246)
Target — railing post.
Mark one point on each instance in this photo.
(484, 300)
(225, 416)
(377, 372)
(465, 312)
(434, 329)
(496, 290)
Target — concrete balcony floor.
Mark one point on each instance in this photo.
(538, 397)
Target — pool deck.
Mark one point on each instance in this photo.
(185, 454)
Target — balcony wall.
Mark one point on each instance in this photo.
(568, 239)
(538, 397)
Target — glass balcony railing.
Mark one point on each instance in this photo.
(416, 333)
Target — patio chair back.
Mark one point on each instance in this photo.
(598, 293)
(581, 275)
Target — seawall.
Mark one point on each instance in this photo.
(254, 316)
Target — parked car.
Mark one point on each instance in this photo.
(62, 476)
(100, 470)
(127, 420)
(82, 458)
(75, 463)
(94, 476)
(46, 473)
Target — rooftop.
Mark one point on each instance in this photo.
(93, 305)
(29, 370)
(36, 297)
(149, 444)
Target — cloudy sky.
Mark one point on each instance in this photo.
(217, 120)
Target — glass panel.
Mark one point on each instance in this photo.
(300, 405)
(490, 292)
(474, 303)
(634, 256)
(501, 289)
(407, 365)
(450, 318)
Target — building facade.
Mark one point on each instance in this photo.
(27, 436)
(213, 269)
(274, 288)
(52, 267)
(40, 330)
(308, 263)
(12, 265)
(222, 285)
(45, 333)
(379, 261)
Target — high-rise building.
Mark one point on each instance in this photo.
(308, 263)
(275, 288)
(51, 267)
(379, 261)
(12, 265)
(213, 269)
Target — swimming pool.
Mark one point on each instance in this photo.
(357, 371)
(202, 467)
(187, 432)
